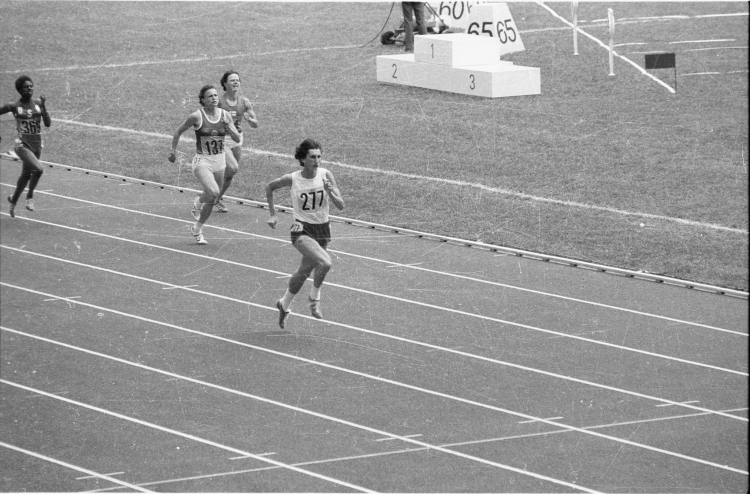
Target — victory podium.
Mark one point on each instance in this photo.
(466, 63)
(459, 63)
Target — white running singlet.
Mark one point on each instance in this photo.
(309, 198)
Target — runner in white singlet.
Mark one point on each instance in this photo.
(313, 189)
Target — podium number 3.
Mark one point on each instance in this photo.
(471, 84)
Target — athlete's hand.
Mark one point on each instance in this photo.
(327, 185)
(172, 158)
(42, 99)
(226, 119)
(272, 221)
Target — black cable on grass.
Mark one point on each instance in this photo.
(382, 28)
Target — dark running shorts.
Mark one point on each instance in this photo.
(318, 232)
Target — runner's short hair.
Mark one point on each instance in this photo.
(21, 80)
(301, 152)
(225, 78)
(203, 92)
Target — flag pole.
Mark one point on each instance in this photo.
(575, 28)
(611, 19)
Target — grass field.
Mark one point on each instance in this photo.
(597, 168)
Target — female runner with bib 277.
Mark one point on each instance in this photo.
(210, 124)
(311, 189)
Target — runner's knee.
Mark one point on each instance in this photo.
(324, 265)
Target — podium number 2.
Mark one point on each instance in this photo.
(395, 68)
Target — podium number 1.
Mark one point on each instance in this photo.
(433, 50)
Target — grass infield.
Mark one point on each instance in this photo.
(598, 168)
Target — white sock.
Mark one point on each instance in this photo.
(315, 293)
(286, 300)
(198, 226)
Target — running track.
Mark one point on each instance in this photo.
(135, 360)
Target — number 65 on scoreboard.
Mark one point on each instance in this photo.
(484, 19)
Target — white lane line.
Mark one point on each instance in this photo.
(743, 14)
(391, 439)
(414, 450)
(72, 467)
(301, 410)
(714, 73)
(530, 421)
(182, 60)
(182, 434)
(397, 338)
(719, 48)
(55, 393)
(603, 45)
(61, 298)
(681, 403)
(177, 286)
(388, 381)
(94, 476)
(632, 20)
(459, 183)
(556, 334)
(388, 434)
(651, 18)
(373, 259)
(244, 457)
(701, 41)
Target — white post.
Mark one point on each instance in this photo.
(575, 28)
(611, 18)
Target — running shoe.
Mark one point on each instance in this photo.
(283, 314)
(220, 207)
(198, 236)
(196, 211)
(30, 204)
(315, 308)
(12, 208)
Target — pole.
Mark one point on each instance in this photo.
(575, 28)
(611, 18)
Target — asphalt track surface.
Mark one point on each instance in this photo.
(134, 359)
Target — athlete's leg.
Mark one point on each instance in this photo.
(233, 166)
(31, 172)
(314, 258)
(211, 182)
(306, 267)
(315, 255)
(295, 283)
